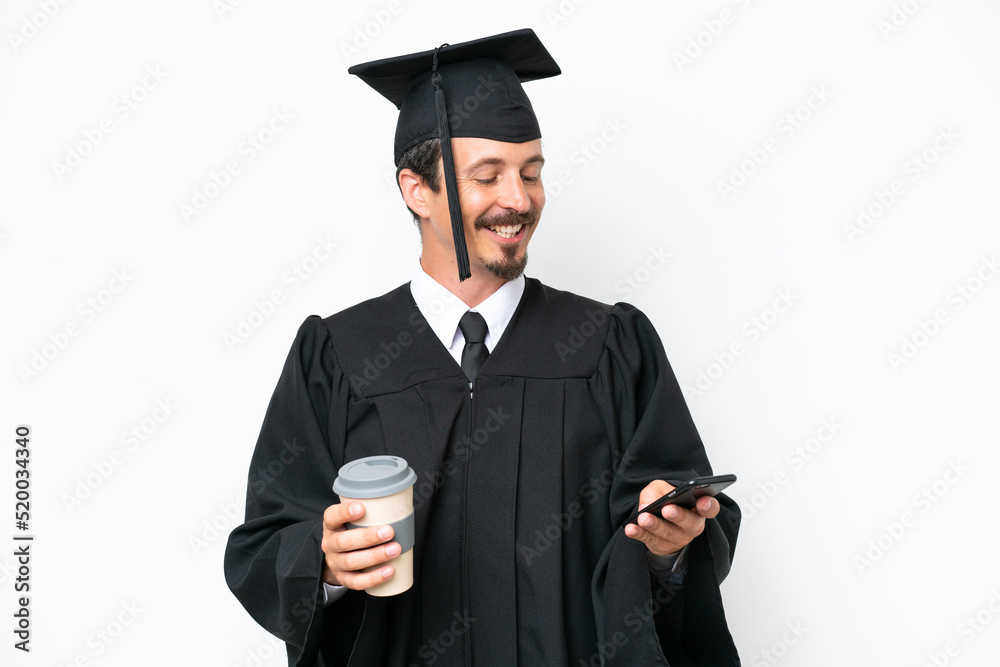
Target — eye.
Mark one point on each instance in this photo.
(486, 181)
(531, 179)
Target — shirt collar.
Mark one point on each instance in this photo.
(443, 310)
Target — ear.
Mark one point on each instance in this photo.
(415, 193)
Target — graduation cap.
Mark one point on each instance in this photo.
(472, 89)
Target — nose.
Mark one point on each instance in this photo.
(514, 196)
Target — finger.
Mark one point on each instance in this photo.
(658, 528)
(708, 507)
(335, 516)
(360, 538)
(684, 527)
(653, 542)
(685, 519)
(363, 559)
(641, 534)
(360, 581)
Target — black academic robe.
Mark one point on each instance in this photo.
(522, 491)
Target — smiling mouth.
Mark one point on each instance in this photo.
(506, 231)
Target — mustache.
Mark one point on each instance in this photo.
(508, 218)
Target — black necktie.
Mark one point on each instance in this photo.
(474, 329)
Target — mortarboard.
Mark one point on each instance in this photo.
(472, 89)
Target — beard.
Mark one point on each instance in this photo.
(511, 264)
(510, 267)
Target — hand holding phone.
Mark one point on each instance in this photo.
(686, 494)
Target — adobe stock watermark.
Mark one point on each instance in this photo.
(752, 331)
(579, 333)
(974, 623)
(265, 475)
(223, 8)
(274, 645)
(633, 281)
(635, 620)
(220, 524)
(220, 179)
(230, 513)
(433, 649)
(460, 110)
(927, 329)
(561, 12)
(107, 635)
(922, 503)
(585, 155)
(898, 17)
(271, 650)
(365, 33)
(33, 24)
(590, 492)
(913, 169)
(436, 307)
(467, 445)
(86, 312)
(123, 107)
(781, 647)
(373, 367)
(132, 439)
(786, 128)
(394, 348)
(795, 460)
(708, 34)
(263, 652)
(292, 279)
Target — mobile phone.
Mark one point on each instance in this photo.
(686, 494)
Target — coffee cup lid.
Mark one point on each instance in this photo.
(373, 477)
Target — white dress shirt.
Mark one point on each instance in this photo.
(443, 310)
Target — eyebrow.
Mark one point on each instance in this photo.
(492, 161)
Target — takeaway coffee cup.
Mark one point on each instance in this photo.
(384, 485)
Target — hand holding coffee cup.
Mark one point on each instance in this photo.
(376, 506)
(350, 556)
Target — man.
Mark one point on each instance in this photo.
(535, 419)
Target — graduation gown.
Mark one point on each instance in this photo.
(522, 491)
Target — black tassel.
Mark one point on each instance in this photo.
(450, 183)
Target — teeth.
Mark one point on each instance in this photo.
(507, 231)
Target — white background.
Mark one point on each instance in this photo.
(824, 548)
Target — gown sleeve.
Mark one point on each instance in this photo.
(274, 561)
(654, 437)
